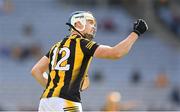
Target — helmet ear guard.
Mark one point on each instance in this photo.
(77, 16)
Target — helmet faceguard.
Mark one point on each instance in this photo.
(81, 16)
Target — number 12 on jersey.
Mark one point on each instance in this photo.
(57, 66)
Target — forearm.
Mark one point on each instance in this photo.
(124, 46)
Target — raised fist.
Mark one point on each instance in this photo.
(140, 26)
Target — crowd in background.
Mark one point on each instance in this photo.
(168, 13)
(32, 48)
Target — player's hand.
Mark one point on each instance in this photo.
(140, 27)
(85, 84)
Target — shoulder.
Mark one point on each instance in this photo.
(56, 44)
(86, 41)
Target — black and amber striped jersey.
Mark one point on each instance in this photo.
(69, 63)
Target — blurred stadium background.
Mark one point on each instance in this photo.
(148, 78)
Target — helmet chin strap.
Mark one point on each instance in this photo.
(88, 36)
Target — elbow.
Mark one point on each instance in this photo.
(119, 55)
(116, 56)
(34, 71)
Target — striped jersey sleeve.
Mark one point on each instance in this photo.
(88, 47)
(49, 52)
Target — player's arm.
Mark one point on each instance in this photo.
(85, 84)
(119, 50)
(123, 47)
(39, 68)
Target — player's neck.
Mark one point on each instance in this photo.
(75, 33)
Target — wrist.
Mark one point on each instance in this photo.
(134, 34)
(137, 32)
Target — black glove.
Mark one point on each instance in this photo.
(140, 27)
